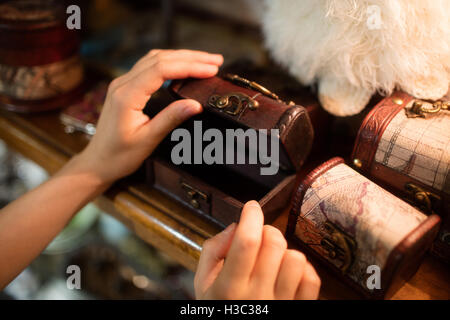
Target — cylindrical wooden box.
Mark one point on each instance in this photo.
(40, 66)
(404, 145)
(351, 224)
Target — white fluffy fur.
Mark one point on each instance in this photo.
(329, 42)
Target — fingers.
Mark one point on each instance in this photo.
(245, 246)
(135, 92)
(180, 55)
(251, 261)
(310, 284)
(197, 56)
(269, 259)
(169, 118)
(291, 273)
(155, 57)
(211, 260)
(151, 79)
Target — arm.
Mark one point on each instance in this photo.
(28, 224)
(124, 138)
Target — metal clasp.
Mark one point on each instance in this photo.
(233, 103)
(423, 199)
(339, 245)
(194, 195)
(421, 108)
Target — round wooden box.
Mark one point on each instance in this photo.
(40, 66)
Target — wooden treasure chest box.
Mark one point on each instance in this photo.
(404, 145)
(218, 189)
(369, 238)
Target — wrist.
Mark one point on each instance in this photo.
(82, 166)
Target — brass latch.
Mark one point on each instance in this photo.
(194, 195)
(233, 103)
(421, 108)
(339, 245)
(423, 199)
(236, 102)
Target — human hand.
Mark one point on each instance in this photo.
(251, 261)
(125, 135)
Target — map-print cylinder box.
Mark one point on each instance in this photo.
(404, 145)
(369, 238)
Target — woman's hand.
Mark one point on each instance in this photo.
(251, 261)
(125, 135)
(124, 138)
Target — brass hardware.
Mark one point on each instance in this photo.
(255, 86)
(339, 245)
(357, 163)
(194, 195)
(421, 108)
(233, 103)
(397, 101)
(423, 199)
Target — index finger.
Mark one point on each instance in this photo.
(183, 54)
(152, 78)
(172, 55)
(244, 249)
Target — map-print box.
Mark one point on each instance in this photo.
(404, 145)
(353, 226)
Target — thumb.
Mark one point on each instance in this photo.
(211, 260)
(171, 117)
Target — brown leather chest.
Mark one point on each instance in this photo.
(246, 117)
